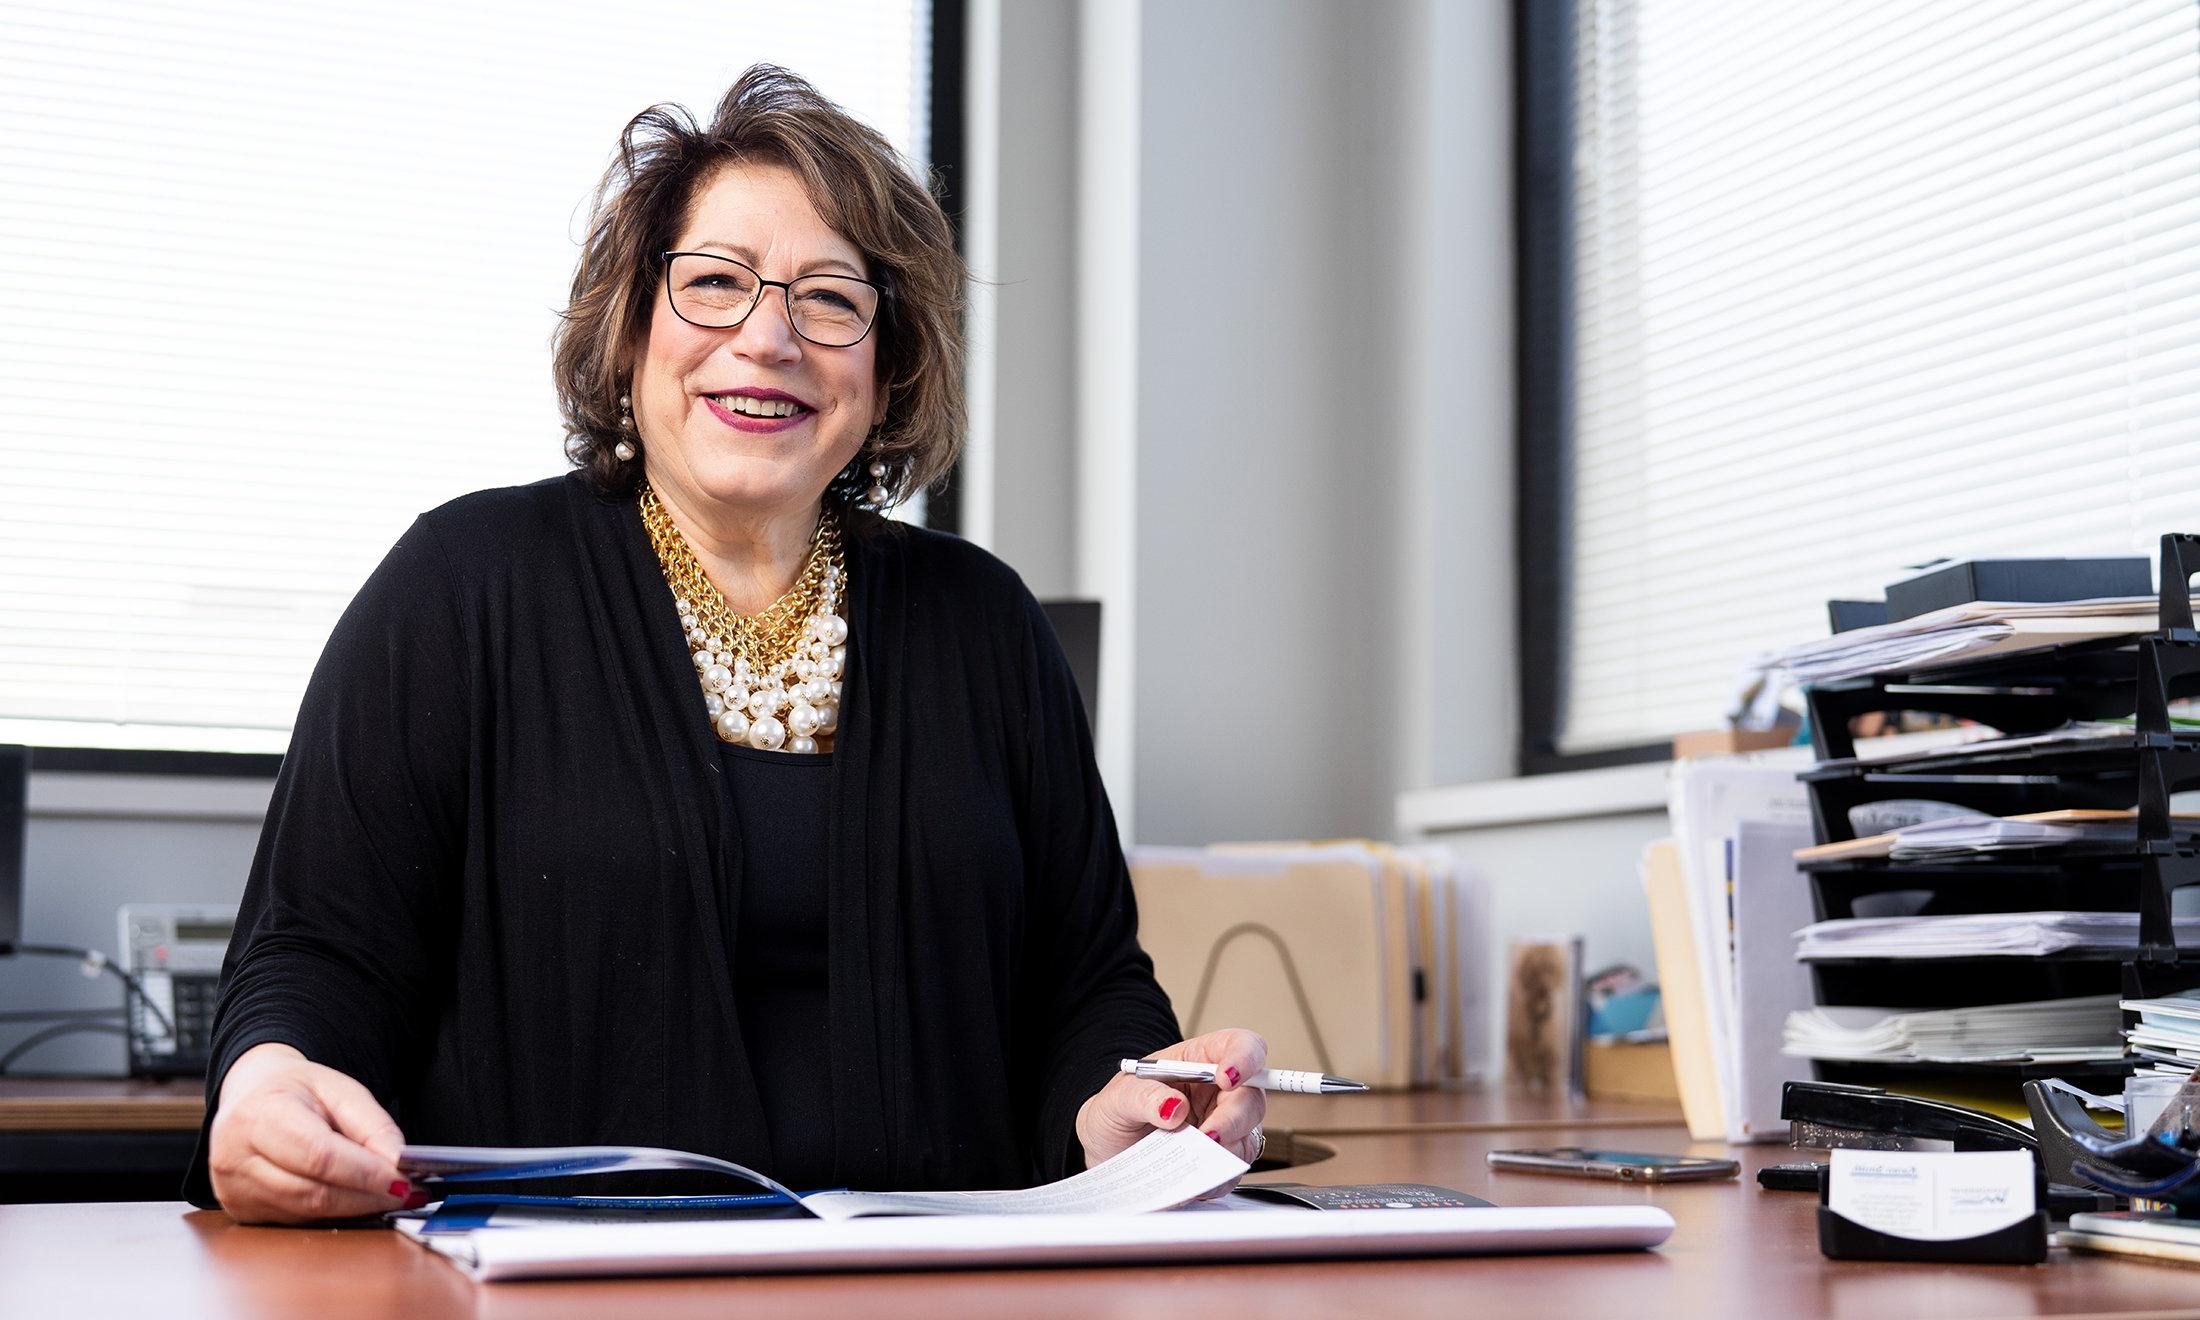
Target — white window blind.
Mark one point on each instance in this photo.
(1860, 285)
(279, 277)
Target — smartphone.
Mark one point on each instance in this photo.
(1625, 1165)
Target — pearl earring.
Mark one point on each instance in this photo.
(625, 448)
(877, 495)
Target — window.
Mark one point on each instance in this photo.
(280, 277)
(1845, 288)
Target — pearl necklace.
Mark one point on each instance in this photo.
(786, 658)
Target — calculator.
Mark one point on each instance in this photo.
(175, 951)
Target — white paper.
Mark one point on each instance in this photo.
(2084, 1027)
(2008, 934)
(1008, 1241)
(1932, 1196)
(1771, 895)
(1708, 799)
(1975, 628)
(1164, 1169)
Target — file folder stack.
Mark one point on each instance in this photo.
(2077, 1030)
(1977, 934)
(1969, 631)
(1725, 897)
(2167, 1035)
(1359, 959)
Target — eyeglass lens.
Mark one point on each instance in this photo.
(719, 293)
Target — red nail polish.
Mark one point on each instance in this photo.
(1170, 1106)
(1232, 1074)
(1214, 1136)
(417, 1199)
(401, 1188)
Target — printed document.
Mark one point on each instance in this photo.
(1163, 1170)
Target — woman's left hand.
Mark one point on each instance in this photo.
(1129, 1108)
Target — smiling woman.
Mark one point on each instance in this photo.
(742, 416)
(863, 215)
(685, 801)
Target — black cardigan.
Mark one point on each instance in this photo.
(491, 883)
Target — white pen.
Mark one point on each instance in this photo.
(1267, 1079)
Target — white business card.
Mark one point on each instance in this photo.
(1932, 1196)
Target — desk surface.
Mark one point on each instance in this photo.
(1738, 1251)
(97, 1104)
(83, 1104)
(1467, 1110)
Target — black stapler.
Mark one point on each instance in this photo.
(1825, 1115)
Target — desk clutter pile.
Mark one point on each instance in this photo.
(1981, 913)
(1956, 911)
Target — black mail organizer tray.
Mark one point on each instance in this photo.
(2019, 695)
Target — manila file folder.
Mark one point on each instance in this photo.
(1292, 943)
(1687, 1018)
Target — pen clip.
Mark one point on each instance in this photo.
(1172, 1070)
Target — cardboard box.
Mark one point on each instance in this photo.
(1621, 1070)
(1725, 742)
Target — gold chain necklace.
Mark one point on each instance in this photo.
(785, 660)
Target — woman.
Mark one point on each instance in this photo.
(684, 801)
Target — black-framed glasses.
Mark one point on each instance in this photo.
(718, 293)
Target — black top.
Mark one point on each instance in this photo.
(492, 882)
(779, 946)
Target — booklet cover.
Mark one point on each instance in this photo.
(1163, 1170)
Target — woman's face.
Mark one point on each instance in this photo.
(695, 445)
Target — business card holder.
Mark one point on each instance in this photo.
(2021, 1243)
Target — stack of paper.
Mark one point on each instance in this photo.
(1725, 896)
(1979, 629)
(2043, 1031)
(1974, 740)
(1939, 840)
(2143, 1234)
(1971, 834)
(2168, 1033)
(1977, 934)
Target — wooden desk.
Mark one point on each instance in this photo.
(79, 1104)
(95, 1139)
(1739, 1251)
(1465, 1110)
(98, 1104)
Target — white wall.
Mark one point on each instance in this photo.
(1020, 233)
(1564, 877)
(1455, 422)
(1268, 393)
(1293, 403)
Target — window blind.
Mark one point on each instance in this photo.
(280, 277)
(1858, 286)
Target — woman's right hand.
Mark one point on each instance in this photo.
(294, 1141)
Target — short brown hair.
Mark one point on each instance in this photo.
(862, 189)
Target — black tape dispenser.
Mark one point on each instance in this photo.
(2159, 1164)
